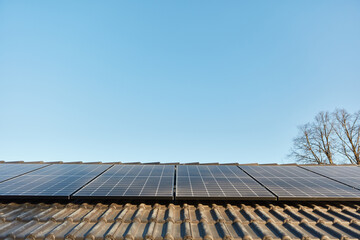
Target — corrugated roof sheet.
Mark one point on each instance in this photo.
(200, 221)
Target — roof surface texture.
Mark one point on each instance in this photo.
(200, 221)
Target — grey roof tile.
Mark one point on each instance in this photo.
(319, 220)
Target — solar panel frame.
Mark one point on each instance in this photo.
(12, 170)
(294, 183)
(131, 182)
(56, 181)
(217, 182)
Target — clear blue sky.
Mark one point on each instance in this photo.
(169, 81)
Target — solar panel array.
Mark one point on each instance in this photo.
(141, 181)
(217, 182)
(295, 183)
(193, 182)
(349, 175)
(57, 180)
(11, 170)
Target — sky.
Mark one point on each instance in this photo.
(171, 81)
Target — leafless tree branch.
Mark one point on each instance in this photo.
(347, 129)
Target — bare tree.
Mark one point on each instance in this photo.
(305, 148)
(315, 143)
(347, 129)
(323, 129)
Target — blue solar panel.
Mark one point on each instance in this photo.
(217, 182)
(11, 170)
(349, 175)
(58, 180)
(295, 183)
(132, 181)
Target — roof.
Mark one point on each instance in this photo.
(199, 221)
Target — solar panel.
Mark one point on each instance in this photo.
(295, 183)
(58, 181)
(11, 170)
(132, 181)
(349, 175)
(217, 182)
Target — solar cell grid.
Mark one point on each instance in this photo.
(217, 182)
(278, 171)
(140, 170)
(10, 170)
(70, 170)
(124, 181)
(349, 175)
(58, 180)
(295, 183)
(210, 170)
(335, 171)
